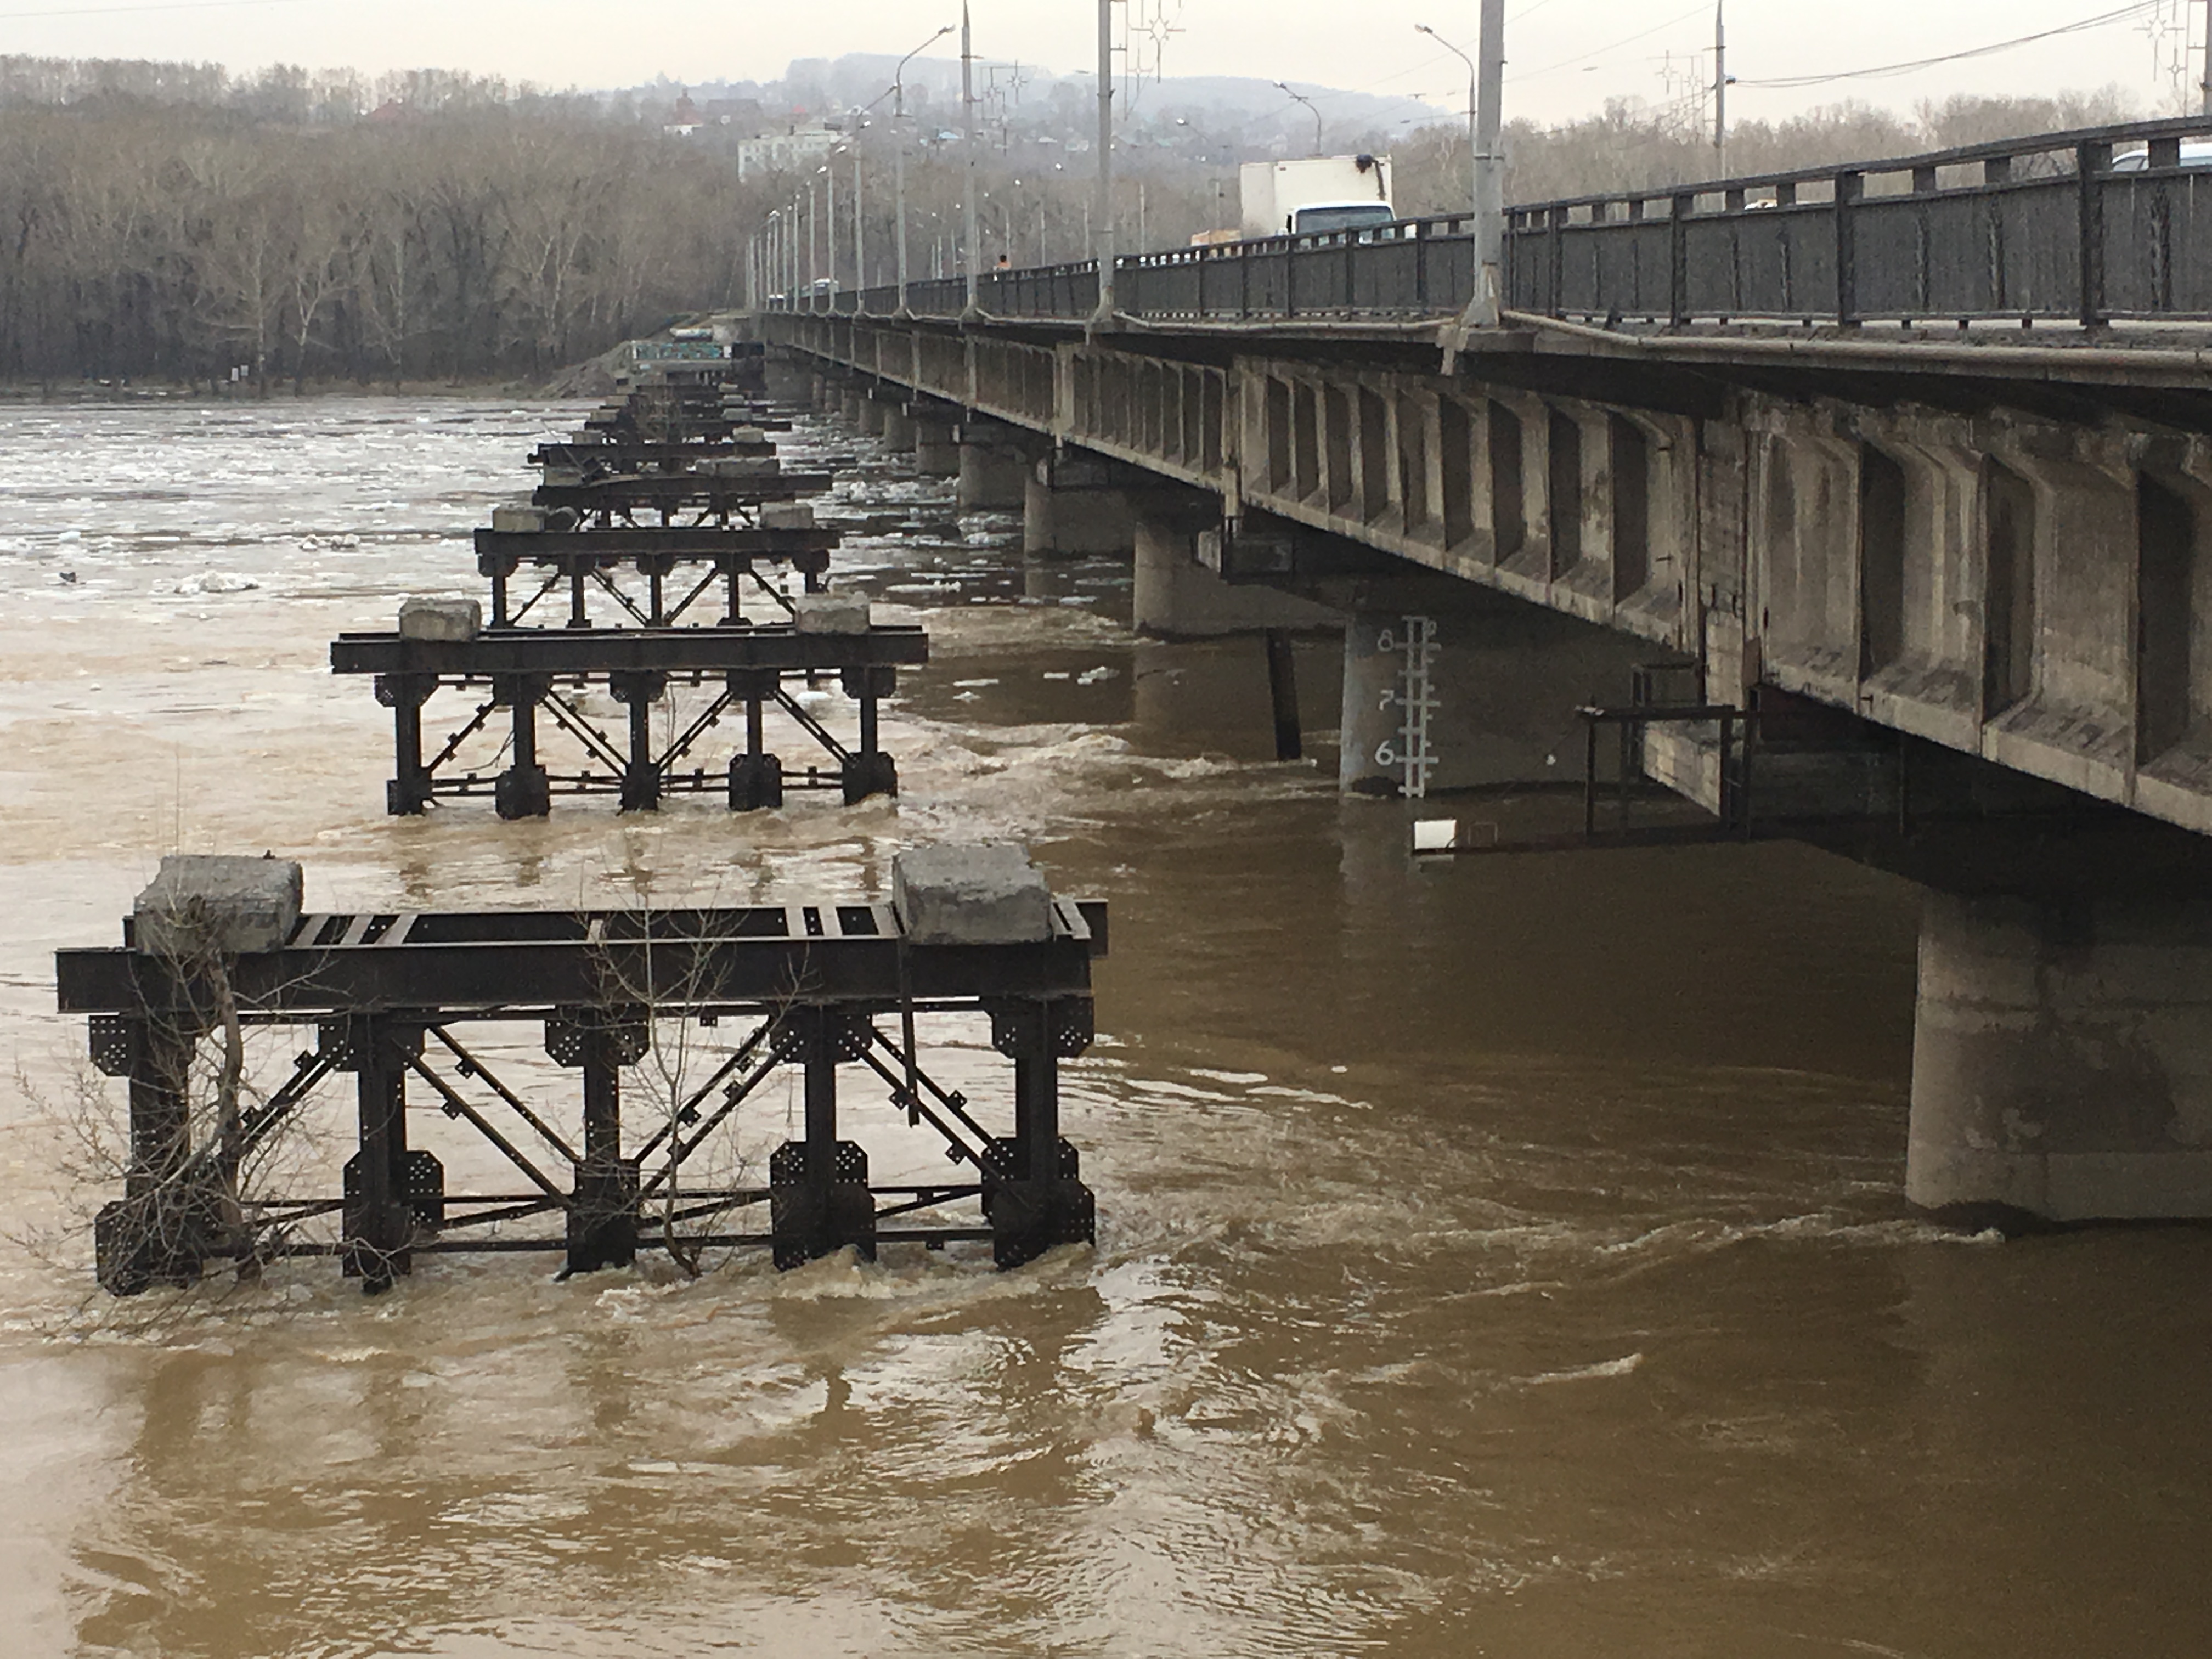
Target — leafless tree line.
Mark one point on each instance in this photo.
(180, 240)
(1631, 147)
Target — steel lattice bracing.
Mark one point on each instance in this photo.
(407, 1004)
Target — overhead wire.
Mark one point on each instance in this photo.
(149, 5)
(1699, 10)
(2119, 14)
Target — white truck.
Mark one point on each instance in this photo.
(1329, 192)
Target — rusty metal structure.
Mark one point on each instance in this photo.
(629, 578)
(411, 1006)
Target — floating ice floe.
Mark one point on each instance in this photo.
(1093, 675)
(215, 582)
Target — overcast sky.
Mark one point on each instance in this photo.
(1567, 56)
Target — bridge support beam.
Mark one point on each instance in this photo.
(1070, 506)
(936, 445)
(995, 462)
(2063, 1061)
(1177, 597)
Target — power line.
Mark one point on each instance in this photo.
(2103, 19)
(154, 5)
(1699, 10)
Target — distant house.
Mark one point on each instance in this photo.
(684, 120)
(786, 152)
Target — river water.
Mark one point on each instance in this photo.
(1502, 1258)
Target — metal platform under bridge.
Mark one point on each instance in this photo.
(670, 1020)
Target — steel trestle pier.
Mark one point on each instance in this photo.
(689, 1013)
(650, 532)
(533, 672)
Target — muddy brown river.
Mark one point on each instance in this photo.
(1501, 1258)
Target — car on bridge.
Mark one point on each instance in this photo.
(2195, 154)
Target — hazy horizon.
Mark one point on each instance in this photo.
(1566, 58)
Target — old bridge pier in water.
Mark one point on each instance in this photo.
(645, 566)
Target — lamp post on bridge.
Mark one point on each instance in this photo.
(829, 171)
(898, 153)
(1104, 252)
(968, 138)
(1490, 173)
(776, 282)
(1473, 144)
(859, 227)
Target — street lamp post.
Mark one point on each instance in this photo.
(967, 137)
(1284, 87)
(860, 227)
(829, 220)
(898, 162)
(1489, 172)
(1104, 249)
(1473, 146)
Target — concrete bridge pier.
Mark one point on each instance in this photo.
(2063, 1061)
(1500, 680)
(1177, 598)
(994, 464)
(898, 427)
(1070, 505)
(936, 442)
(870, 416)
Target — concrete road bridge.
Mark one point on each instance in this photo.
(1869, 506)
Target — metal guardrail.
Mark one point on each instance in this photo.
(2090, 226)
(678, 352)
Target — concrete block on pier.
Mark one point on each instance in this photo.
(440, 619)
(974, 894)
(199, 905)
(748, 434)
(832, 613)
(786, 515)
(742, 466)
(518, 520)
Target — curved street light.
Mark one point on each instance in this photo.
(1284, 87)
(1473, 146)
(898, 123)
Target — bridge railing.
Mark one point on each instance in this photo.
(1416, 267)
(2101, 225)
(2090, 226)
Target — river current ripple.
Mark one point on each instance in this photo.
(1502, 1259)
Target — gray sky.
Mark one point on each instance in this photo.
(1567, 56)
